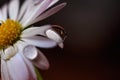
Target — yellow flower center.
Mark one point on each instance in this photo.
(10, 31)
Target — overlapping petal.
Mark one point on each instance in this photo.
(36, 57)
(36, 31)
(24, 8)
(38, 9)
(39, 41)
(19, 70)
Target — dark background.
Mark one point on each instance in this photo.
(92, 46)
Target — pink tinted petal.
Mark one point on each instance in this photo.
(49, 13)
(41, 61)
(38, 9)
(52, 3)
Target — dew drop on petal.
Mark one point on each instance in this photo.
(30, 52)
(56, 33)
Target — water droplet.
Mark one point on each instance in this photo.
(56, 33)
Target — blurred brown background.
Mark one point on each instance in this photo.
(92, 46)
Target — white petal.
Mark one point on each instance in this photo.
(31, 70)
(4, 71)
(4, 12)
(9, 52)
(28, 12)
(40, 41)
(36, 57)
(21, 45)
(49, 13)
(13, 9)
(24, 7)
(17, 68)
(32, 31)
(38, 9)
(1, 15)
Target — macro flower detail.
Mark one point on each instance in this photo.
(19, 38)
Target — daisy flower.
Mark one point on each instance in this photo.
(19, 39)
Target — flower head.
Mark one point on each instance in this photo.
(10, 31)
(18, 39)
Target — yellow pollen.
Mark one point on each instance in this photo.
(10, 31)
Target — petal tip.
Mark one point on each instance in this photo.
(61, 45)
